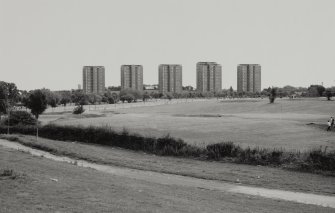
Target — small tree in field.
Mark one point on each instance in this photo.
(273, 95)
(145, 97)
(329, 94)
(37, 103)
(78, 110)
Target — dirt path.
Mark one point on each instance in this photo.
(169, 179)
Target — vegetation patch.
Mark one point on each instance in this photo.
(240, 101)
(318, 160)
(18, 117)
(89, 116)
(6, 174)
(204, 115)
(78, 110)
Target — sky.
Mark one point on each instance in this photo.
(45, 43)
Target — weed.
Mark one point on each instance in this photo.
(8, 174)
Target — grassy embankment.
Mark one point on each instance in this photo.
(260, 176)
(319, 161)
(47, 186)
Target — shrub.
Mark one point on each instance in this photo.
(170, 146)
(321, 160)
(221, 150)
(248, 155)
(8, 174)
(19, 118)
(259, 156)
(128, 97)
(78, 110)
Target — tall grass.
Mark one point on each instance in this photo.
(311, 161)
(8, 174)
(106, 136)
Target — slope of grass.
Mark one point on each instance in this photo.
(261, 176)
(312, 161)
(51, 186)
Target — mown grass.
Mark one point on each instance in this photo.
(317, 160)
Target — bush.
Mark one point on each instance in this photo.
(321, 160)
(9, 174)
(248, 155)
(78, 110)
(6, 173)
(258, 156)
(128, 97)
(221, 150)
(170, 146)
(19, 118)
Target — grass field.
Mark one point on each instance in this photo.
(42, 185)
(272, 178)
(290, 124)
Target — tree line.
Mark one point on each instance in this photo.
(11, 96)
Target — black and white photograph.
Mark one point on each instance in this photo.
(167, 106)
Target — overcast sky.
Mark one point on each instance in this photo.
(46, 43)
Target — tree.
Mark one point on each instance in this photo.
(64, 97)
(328, 94)
(3, 107)
(316, 90)
(221, 94)
(289, 90)
(116, 97)
(108, 97)
(9, 95)
(135, 93)
(146, 96)
(20, 118)
(320, 90)
(52, 97)
(169, 96)
(188, 88)
(273, 95)
(156, 95)
(37, 103)
(94, 98)
(113, 88)
(79, 97)
(231, 91)
(65, 100)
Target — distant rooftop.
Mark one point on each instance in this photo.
(248, 64)
(170, 65)
(207, 63)
(95, 66)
